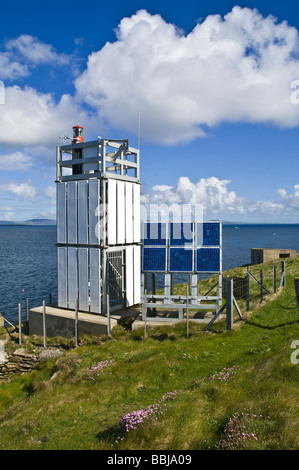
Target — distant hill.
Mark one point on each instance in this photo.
(41, 222)
(29, 222)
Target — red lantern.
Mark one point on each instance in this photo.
(77, 134)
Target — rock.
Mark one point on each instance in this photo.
(48, 354)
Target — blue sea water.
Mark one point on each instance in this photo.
(28, 263)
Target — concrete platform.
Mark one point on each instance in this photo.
(61, 322)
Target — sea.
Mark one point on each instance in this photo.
(28, 261)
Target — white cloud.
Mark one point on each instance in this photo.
(290, 201)
(22, 190)
(236, 68)
(218, 201)
(36, 51)
(50, 193)
(16, 161)
(10, 68)
(6, 213)
(211, 192)
(32, 118)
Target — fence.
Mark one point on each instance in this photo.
(243, 292)
(232, 291)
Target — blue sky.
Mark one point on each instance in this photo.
(212, 82)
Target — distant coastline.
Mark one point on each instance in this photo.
(28, 222)
(53, 222)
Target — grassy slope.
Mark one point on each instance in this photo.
(255, 405)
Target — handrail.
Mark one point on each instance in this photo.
(5, 319)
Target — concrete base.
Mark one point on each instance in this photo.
(61, 322)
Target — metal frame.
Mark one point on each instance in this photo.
(113, 159)
(116, 163)
(181, 302)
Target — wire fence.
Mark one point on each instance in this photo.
(247, 293)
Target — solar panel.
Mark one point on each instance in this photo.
(181, 234)
(208, 234)
(180, 259)
(208, 260)
(154, 234)
(154, 259)
(169, 247)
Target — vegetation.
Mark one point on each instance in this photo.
(213, 390)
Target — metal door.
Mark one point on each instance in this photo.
(115, 278)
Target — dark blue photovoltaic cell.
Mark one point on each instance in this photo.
(181, 233)
(154, 259)
(208, 234)
(208, 260)
(180, 260)
(154, 234)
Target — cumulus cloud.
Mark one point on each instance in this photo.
(36, 51)
(16, 161)
(50, 193)
(10, 68)
(22, 190)
(6, 213)
(290, 201)
(236, 68)
(218, 201)
(33, 118)
(23, 54)
(213, 194)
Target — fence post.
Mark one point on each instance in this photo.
(283, 272)
(108, 317)
(247, 292)
(262, 286)
(274, 278)
(296, 284)
(229, 301)
(44, 323)
(76, 321)
(187, 310)
(145, 312)
(27, 310)
(20, 324)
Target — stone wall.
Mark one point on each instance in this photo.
(20, 361)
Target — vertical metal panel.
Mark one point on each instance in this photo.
(72, 212)
(121, 215)
(111, 212)
(137, 271)
(82, 212)
(94, 211)
(95, 280)
(136, 212)
(72, 277)
(62, 276)
(89, 152)
(61, 212)
(129, 276)
(83, 278)
(129, 212)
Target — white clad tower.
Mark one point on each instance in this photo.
(98, 224)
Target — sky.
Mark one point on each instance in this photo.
(216, 86)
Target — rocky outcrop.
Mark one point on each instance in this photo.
(21, 361)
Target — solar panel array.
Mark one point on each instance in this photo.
(172, 247)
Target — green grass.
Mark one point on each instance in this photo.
(58, 406)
